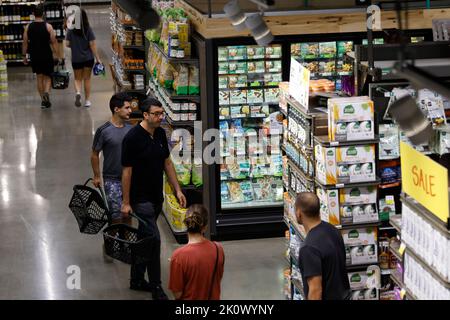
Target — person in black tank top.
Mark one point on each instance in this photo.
(38, 40)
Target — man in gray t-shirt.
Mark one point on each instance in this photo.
(108, 139)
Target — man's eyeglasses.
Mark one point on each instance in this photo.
(158, 114)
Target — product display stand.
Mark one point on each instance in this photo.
(3, 76)
(128, 59)
(306, 140)
(182, 110)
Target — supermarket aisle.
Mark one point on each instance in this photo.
(42, 154)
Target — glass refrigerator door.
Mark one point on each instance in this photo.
(250, 126)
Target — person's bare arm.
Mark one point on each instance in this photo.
(53, 41)
(172, 177)
(315, 288)
(25, 45)
(95, 162)
(126, 185)
(93, 47)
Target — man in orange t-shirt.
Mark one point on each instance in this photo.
(196, 269)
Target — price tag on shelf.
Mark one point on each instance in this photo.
(402, 293)
(402, 249)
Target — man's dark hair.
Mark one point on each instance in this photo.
(145, 105)
(38, 11)
(308, 203)
(118, 100)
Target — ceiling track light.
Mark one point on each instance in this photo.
(235, 14)
(254, 22)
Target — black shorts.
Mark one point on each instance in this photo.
(42, 66)
(80, 65)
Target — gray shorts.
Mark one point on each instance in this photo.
(113, 193)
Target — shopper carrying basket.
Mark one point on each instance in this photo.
(145, 157)
(108, 139)
(196, 269)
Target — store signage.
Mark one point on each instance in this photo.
(425, 180)
(299, 83)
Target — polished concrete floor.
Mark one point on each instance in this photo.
(43, 153)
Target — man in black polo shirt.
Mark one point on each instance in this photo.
(322, 255)
(145, 156)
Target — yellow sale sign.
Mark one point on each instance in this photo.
(425, 180)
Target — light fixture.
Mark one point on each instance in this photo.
(259, 29)
(255, 22)
(411, 120)
(140, 11)
(235, 14)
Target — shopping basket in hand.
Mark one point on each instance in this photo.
(122, 243)
(60, 77)
(89, 209)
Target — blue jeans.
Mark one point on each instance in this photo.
(148, 212)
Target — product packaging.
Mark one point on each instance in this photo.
(361, 244)
(350, 119)
(237, 53)
(389, 142)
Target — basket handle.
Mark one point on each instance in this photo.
(87, 181)
(139, 219)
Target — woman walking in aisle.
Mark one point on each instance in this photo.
(84, 49)
(196, 269)
(39, 39)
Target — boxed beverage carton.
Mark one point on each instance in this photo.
(361, 245)
(325, 164)
(351, 119)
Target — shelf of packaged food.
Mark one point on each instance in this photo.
(186, 60)
(135, 70)
(301, 59)
(386, 272)
(348, 185)
(20, 3)
(259, 58)
(394, 247)
(301, 148)
(296, 283)
(250, 88)
(252, 204)
(243, 118)
(175, 232)
(52, 20)
(11, 41)
(133, 47)
(293, 258)
(299, 170)
(173, 96)
(440, 225)
(15, 22)
(397, 279)
(325, 141)
(356, 267)
(390, 185)
(396, 222)
(179, 123)
(297, 229)
(15, 60)
(358, 225)
(432, 271)
(253, 76)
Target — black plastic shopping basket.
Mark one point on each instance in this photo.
(60, 77)
(121, 241)
(89, 209)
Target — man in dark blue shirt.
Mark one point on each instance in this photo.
(145, 157)
(322, 256)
